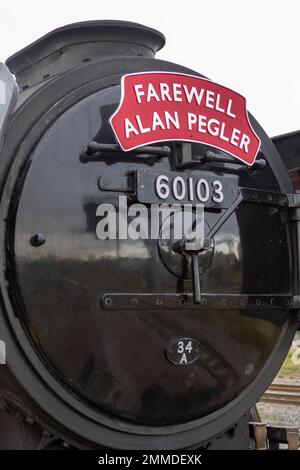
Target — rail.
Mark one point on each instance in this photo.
(282, 393)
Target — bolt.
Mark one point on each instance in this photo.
(134, 301)
(210, 154)
(37, 240)
(206, 243)
(108, 301)
(159, 302)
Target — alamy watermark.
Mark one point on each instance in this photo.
(139, 221)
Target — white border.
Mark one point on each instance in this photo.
(180, 140)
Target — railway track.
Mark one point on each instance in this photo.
(282, 393)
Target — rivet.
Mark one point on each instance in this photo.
(134, 301)
(37, 240)
(159, 301)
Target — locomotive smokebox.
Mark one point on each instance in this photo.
(149, 269)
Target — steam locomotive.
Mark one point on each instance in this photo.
(137, 342)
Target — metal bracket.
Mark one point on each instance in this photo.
(272, 198)
(125, 184)
(259, 196)
(119, 301)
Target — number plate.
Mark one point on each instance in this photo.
(185, 188)
(183, 351)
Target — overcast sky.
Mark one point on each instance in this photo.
(251, 46)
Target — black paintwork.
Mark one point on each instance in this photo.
(116, 360)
